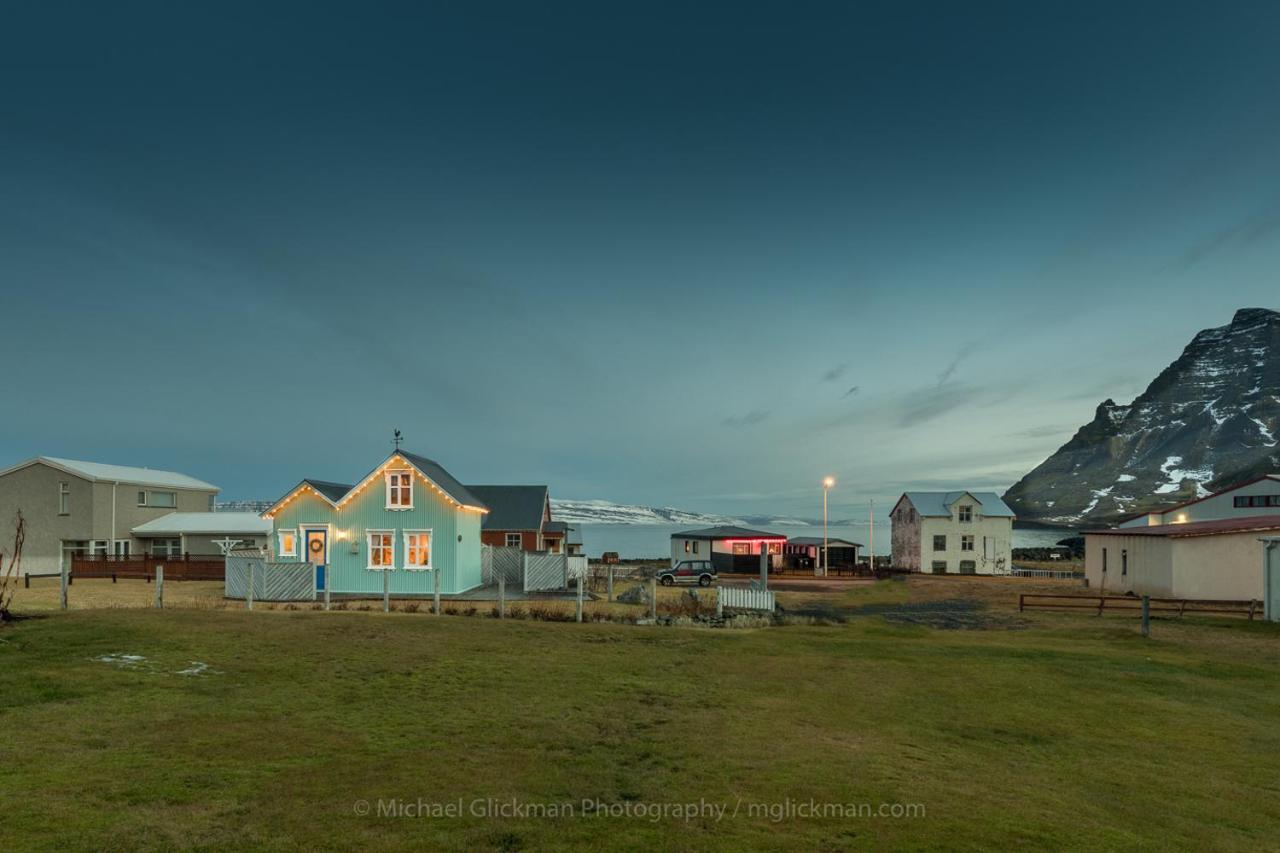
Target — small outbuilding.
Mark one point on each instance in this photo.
(730, 548)
(805, 552)
(1219, 560)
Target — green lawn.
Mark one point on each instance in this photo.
(1070, 733)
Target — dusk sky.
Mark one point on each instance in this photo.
(693, 255)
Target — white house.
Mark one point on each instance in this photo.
(1259, 496)
(1220, 560)
(967, 533)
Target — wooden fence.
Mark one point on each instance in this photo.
(738, 598)
(1128, 604)
(183, 567)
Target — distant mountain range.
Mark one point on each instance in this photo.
(607, 512)
(1209, 420)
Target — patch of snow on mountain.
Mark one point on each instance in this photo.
(1125, 478)
(1268, 437)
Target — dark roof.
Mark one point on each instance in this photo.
(333, 491)
(1168, 509)
(435, 472)
(726, 531)
(832, 542)
(512, 507)
(554, 527)
(1246, 524)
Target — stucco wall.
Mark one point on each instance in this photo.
(1150, 565)
(1228, 567)
(904, 537)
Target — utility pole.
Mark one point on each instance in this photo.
(873, 536)
(827, 483)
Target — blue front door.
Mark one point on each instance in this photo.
(317, 545)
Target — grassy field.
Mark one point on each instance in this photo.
(274, 729)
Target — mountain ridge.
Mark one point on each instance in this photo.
(1208, 420)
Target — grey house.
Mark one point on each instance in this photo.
(74, 507)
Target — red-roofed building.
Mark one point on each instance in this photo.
(1223, 559)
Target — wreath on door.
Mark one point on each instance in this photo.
(316, 546)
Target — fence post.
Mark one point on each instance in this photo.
(435, 577)
(764, 566)
(326, 589)
(386, 589)
(580, 580)
(502, 596)
(1146, 615)
(609, 566)
(653, 596)
(160, 587)
(248, 599)
(66, 579)
(1021, 598)
(26, 581)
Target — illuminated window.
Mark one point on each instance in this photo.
(381, 549)
(288, 543)
(742, 547)
(687, 547)
(513, 540)
(417, 549)
(399, 490)
(775, 547)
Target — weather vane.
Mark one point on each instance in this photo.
(397, 439)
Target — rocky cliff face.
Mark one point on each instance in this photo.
(1211, 419)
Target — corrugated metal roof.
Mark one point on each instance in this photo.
(1247, 524)
(726, 531)
(100, 471)
(199, 523)
(817, 540)
(934, 504)
(512, 507)
(435, 472)
(333, 491)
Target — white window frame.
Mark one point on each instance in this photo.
(145, 498)
(431, 542)
(64, 497)
(368, 543)
(966, 542)
(519, 543)
(388, 487)
(281, 551)
(964, 511)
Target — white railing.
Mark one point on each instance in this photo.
(1058, 574)
(737, 598)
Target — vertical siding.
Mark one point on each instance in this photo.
(457, 561)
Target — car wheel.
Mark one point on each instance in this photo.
(705, 580)
(667, 580)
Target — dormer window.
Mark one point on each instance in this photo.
(966, 514)
(399, 489)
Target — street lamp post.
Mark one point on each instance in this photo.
(827, 483)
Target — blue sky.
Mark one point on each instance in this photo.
(646, 252)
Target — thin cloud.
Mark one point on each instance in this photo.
(835, 373)
(751, 418)
(950, 370)
(1046, 431)
(852, 392)
(1242, 235)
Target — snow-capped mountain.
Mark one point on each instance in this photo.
(244, 506)
(605, 512)
(1208, 420)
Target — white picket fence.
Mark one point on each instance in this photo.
(738, 598)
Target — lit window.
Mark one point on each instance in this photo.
(742, 547)
(417, 549)
(966, 543)
(775, 547)
(64, 498)
(966, 514)
(687, 549)
(513, 540)
(381, 549)
(399, 490)
(288, 543)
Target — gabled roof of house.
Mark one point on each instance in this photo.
(430, 470)
(512, 507)
(102, 472)
(1168, 509)
(555, 527)
(573, 535)
(832, 542)
(1247, 524)
(726, 531)
(934, 504)
(203, 523)
(333, 491)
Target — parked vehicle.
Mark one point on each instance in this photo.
(701, 572)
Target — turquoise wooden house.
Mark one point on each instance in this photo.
(408, 519)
